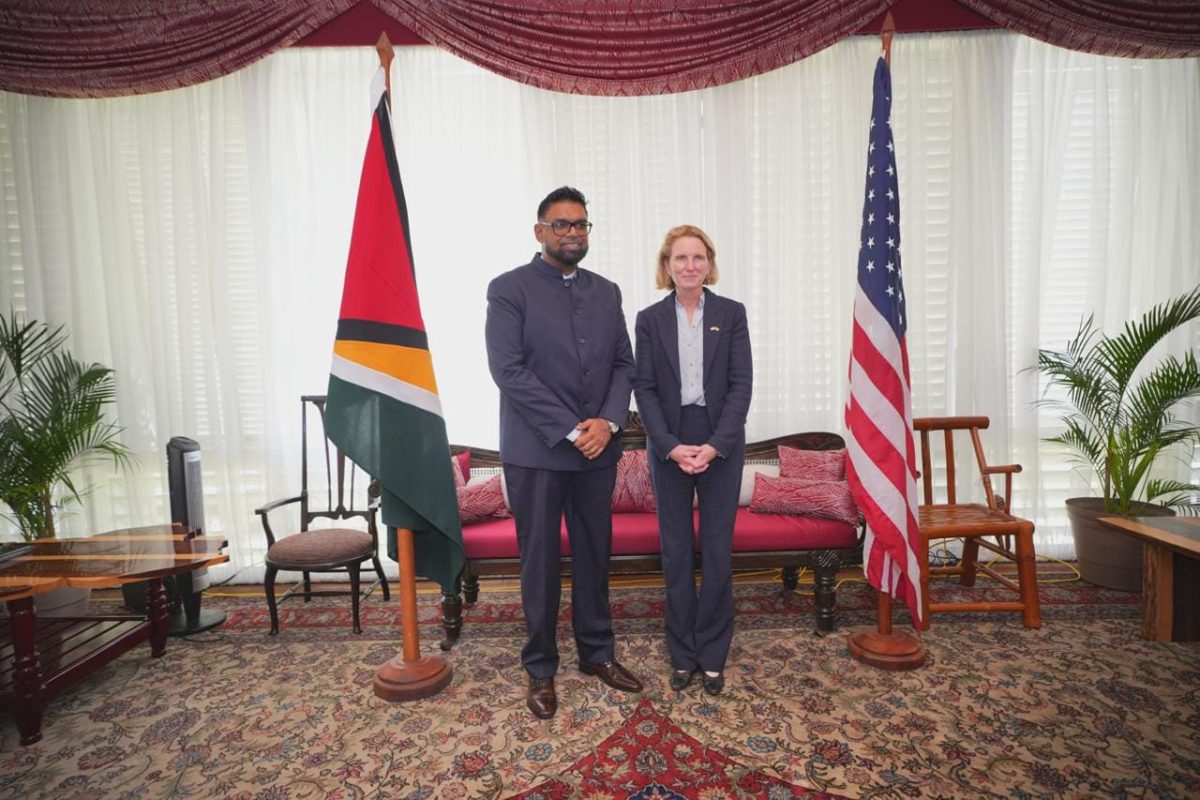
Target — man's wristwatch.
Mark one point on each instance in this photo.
(614, 427)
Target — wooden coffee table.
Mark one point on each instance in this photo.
(1170, 574)
(39, 658)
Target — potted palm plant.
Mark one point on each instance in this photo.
(1121, 417)
(51, 420)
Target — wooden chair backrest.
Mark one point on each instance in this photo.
(947, 426)
(340, 490)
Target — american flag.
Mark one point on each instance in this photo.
(881, 466)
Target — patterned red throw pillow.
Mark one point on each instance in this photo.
(633, 491)
(830, 499)
(482, 500)
(813, 465)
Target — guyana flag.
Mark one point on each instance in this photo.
(383, 408)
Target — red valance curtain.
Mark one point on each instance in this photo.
(95, 48)
(618, 47)
(1131, 28)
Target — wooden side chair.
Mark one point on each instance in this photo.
(979, 525)
(343, 492)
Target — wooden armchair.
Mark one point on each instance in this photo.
(349, 494)
(989, 525)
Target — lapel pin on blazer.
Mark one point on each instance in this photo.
(715, 329)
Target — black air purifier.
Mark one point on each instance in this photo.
(187, 507)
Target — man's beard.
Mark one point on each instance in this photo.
(569, 257)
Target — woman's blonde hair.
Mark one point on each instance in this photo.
(662, 279)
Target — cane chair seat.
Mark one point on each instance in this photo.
(970, 518)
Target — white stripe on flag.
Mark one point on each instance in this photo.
(878, 408)
(879, 331)
(357, 374)
(885, 494)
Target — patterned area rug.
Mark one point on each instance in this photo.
(650, 757)
(1082, 707)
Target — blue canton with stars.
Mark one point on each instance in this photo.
(879, 251)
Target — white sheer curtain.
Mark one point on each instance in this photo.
(195, 240)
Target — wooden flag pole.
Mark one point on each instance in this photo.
(885, 33)
(409, 676)
(883, 647)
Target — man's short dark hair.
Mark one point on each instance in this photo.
(558, 195)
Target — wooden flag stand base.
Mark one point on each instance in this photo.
(400, 681)
(884, 648)
(411, 676)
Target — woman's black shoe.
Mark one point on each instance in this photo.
(680, 679)
(713, 684)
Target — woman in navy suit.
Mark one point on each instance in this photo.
(693, 386)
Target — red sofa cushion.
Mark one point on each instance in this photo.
(633, 534)
(754, 532)
(637, 534)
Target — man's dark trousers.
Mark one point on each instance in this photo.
(536, 495)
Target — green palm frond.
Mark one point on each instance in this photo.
(1084, 442)
(1122, 354)
(1176, 494)
(23, 346)
(1151, 402)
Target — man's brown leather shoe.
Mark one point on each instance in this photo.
(541, 699)
(613, 674)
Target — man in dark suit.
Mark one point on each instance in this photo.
(559, 351)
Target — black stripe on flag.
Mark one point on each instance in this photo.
(389, 155)
(362, 330)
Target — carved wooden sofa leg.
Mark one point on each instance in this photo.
(451, 618)
(465, 588)
(470, 588)
(825, 564)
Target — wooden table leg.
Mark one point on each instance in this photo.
(1158, 582)
(160, 621)
(28, 700)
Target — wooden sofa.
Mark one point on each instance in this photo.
(760, 541)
